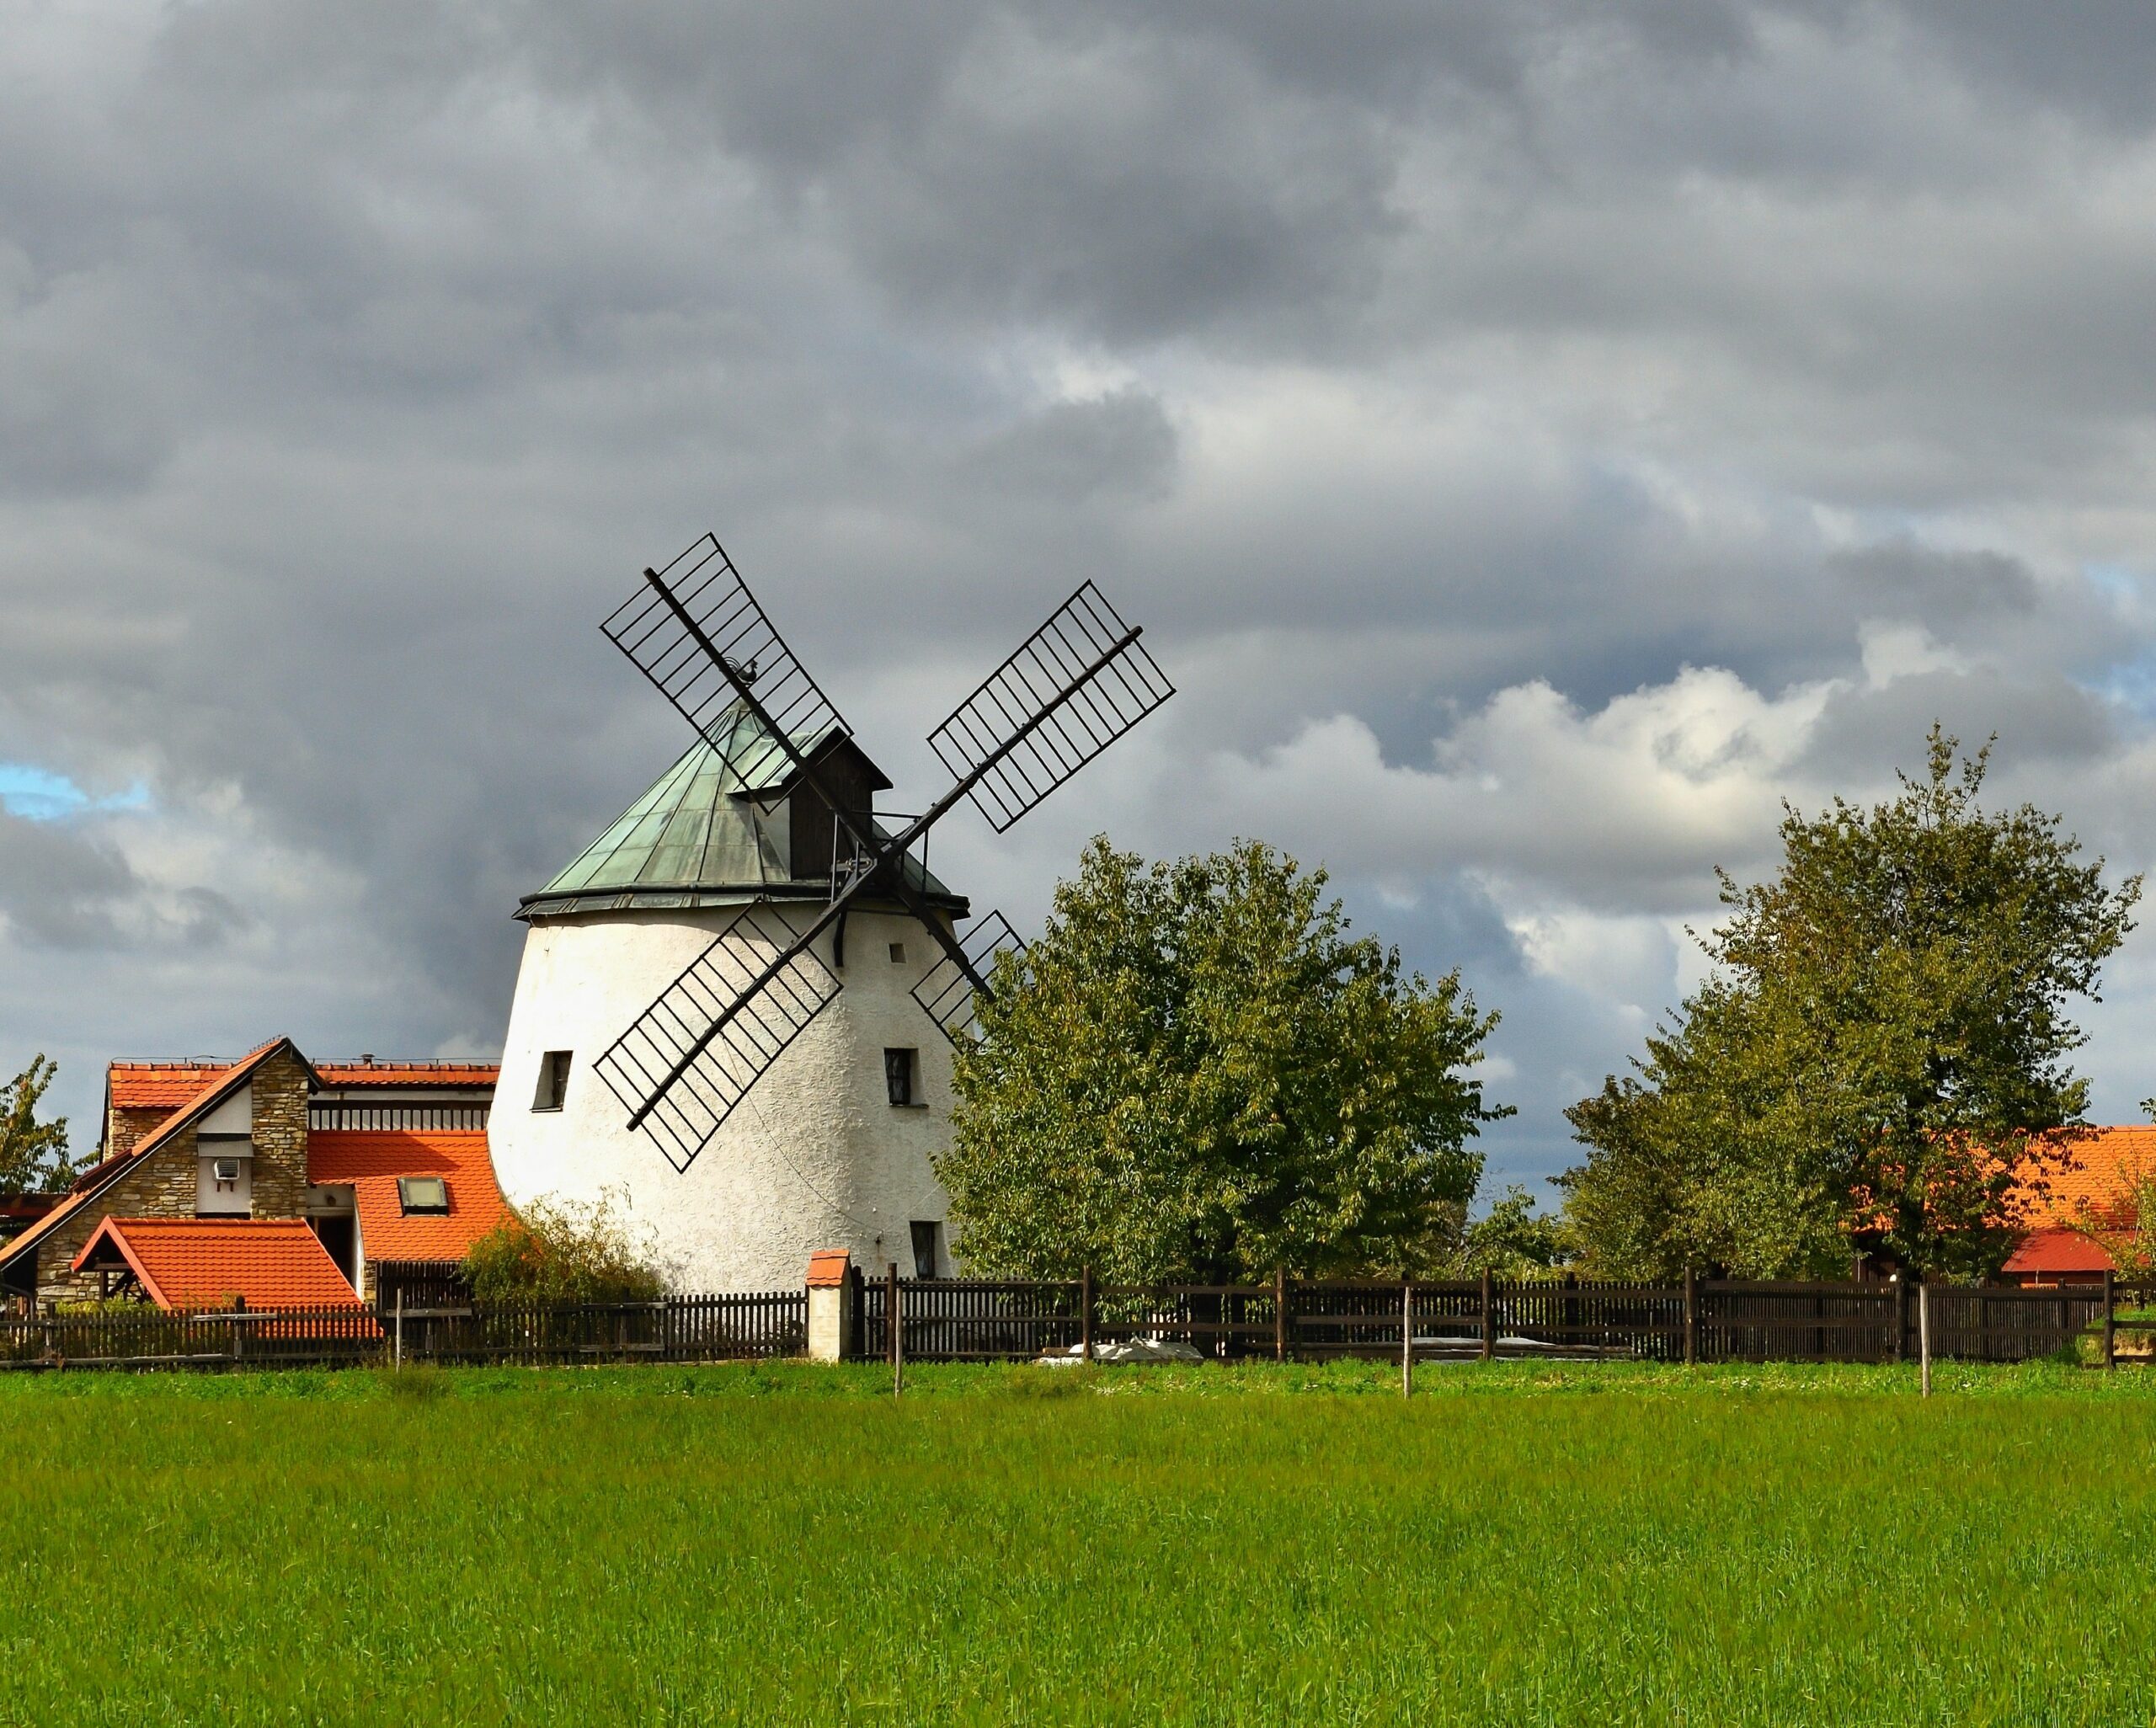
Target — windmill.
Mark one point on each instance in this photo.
(1066, 693)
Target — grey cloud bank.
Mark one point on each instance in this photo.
(1538, 440)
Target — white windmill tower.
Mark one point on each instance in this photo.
(718, 1019)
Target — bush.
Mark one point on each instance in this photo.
(559, 1251)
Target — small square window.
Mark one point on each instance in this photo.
(901, 1075)
(553, 1080)
(422, 1194)
(897, 953)
(924, 1248)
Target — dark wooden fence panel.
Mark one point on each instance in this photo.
(2010, 1325)
(965, 1319)
(422, 1283)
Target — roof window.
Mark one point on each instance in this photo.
(421, 1195)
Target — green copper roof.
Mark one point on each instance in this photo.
(698, 838)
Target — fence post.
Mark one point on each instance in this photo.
(1489, 1318)
(1901, 1318)
(239, 1307)
(1924, 1335)
(1085, 1313)
(893, 1324)
(1691, 1318)
(2110, 1321)
(397, 1355)
(1280, 1314)
(1407, 1339)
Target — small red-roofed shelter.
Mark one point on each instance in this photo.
(186, 1265)
(2075, 1209)
(2058, 1254)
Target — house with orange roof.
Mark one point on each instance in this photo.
(2083, 1214)
(332, 1169)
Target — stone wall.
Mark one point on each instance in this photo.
(165, 1184)
(280, 1086)
(126, 1128)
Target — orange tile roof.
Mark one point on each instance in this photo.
(190, 1263)
(2057, 1249)
(371, 1160)
(158, 1085)
(2098, 1182)
(828, 1268)
(408, 1074)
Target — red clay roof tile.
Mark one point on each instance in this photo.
(189, 1263)
(2057, 1249)
(371, 1161)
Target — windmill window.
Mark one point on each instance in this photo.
(553, 1080)
(422, 1195)
(902, 1077)
(897, 953)
(925, 1262)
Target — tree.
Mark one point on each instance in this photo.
(1197, 1074)
(1882, 1048)
(34, 1156)
(562, 1252)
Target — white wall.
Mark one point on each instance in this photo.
(814, 1157)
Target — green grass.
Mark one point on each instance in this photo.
(1521, 1544)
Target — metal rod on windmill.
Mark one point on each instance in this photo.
(1066, 693)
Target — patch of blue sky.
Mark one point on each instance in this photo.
(2116, 580)
(40, 795)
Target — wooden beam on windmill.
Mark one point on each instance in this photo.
(1072, 688)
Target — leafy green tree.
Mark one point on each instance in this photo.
(1512, 1239)
(34, 1158)
(1885, 1036)
(1197, 1074)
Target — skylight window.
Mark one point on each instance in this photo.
(422, 1195)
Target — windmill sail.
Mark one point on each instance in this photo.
(1072, 688)
(698, 634)
(949, 996)
(692, 1055)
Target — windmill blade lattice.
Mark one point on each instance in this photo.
(947, 995)
(1072, 688)
(695, 621)
(692, 1055)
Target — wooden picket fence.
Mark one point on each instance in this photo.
(974, 1319)
(679, 1328)
(1694, 1320)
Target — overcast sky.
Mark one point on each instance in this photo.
(1537, 441)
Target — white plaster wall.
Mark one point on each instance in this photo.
(816, 1156)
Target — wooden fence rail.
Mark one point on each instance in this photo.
(1698, 1320)
(679, 1328)
(955, 1319)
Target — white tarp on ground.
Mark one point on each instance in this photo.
(1121, 1350)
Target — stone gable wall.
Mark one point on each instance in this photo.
(166, 1184)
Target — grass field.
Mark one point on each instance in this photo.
(1522, 1543)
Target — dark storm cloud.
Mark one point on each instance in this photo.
(1437, 383)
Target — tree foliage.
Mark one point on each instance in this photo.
(1884, 1031)
(1198, 1074)
(34, 1156)
(559, 1251)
